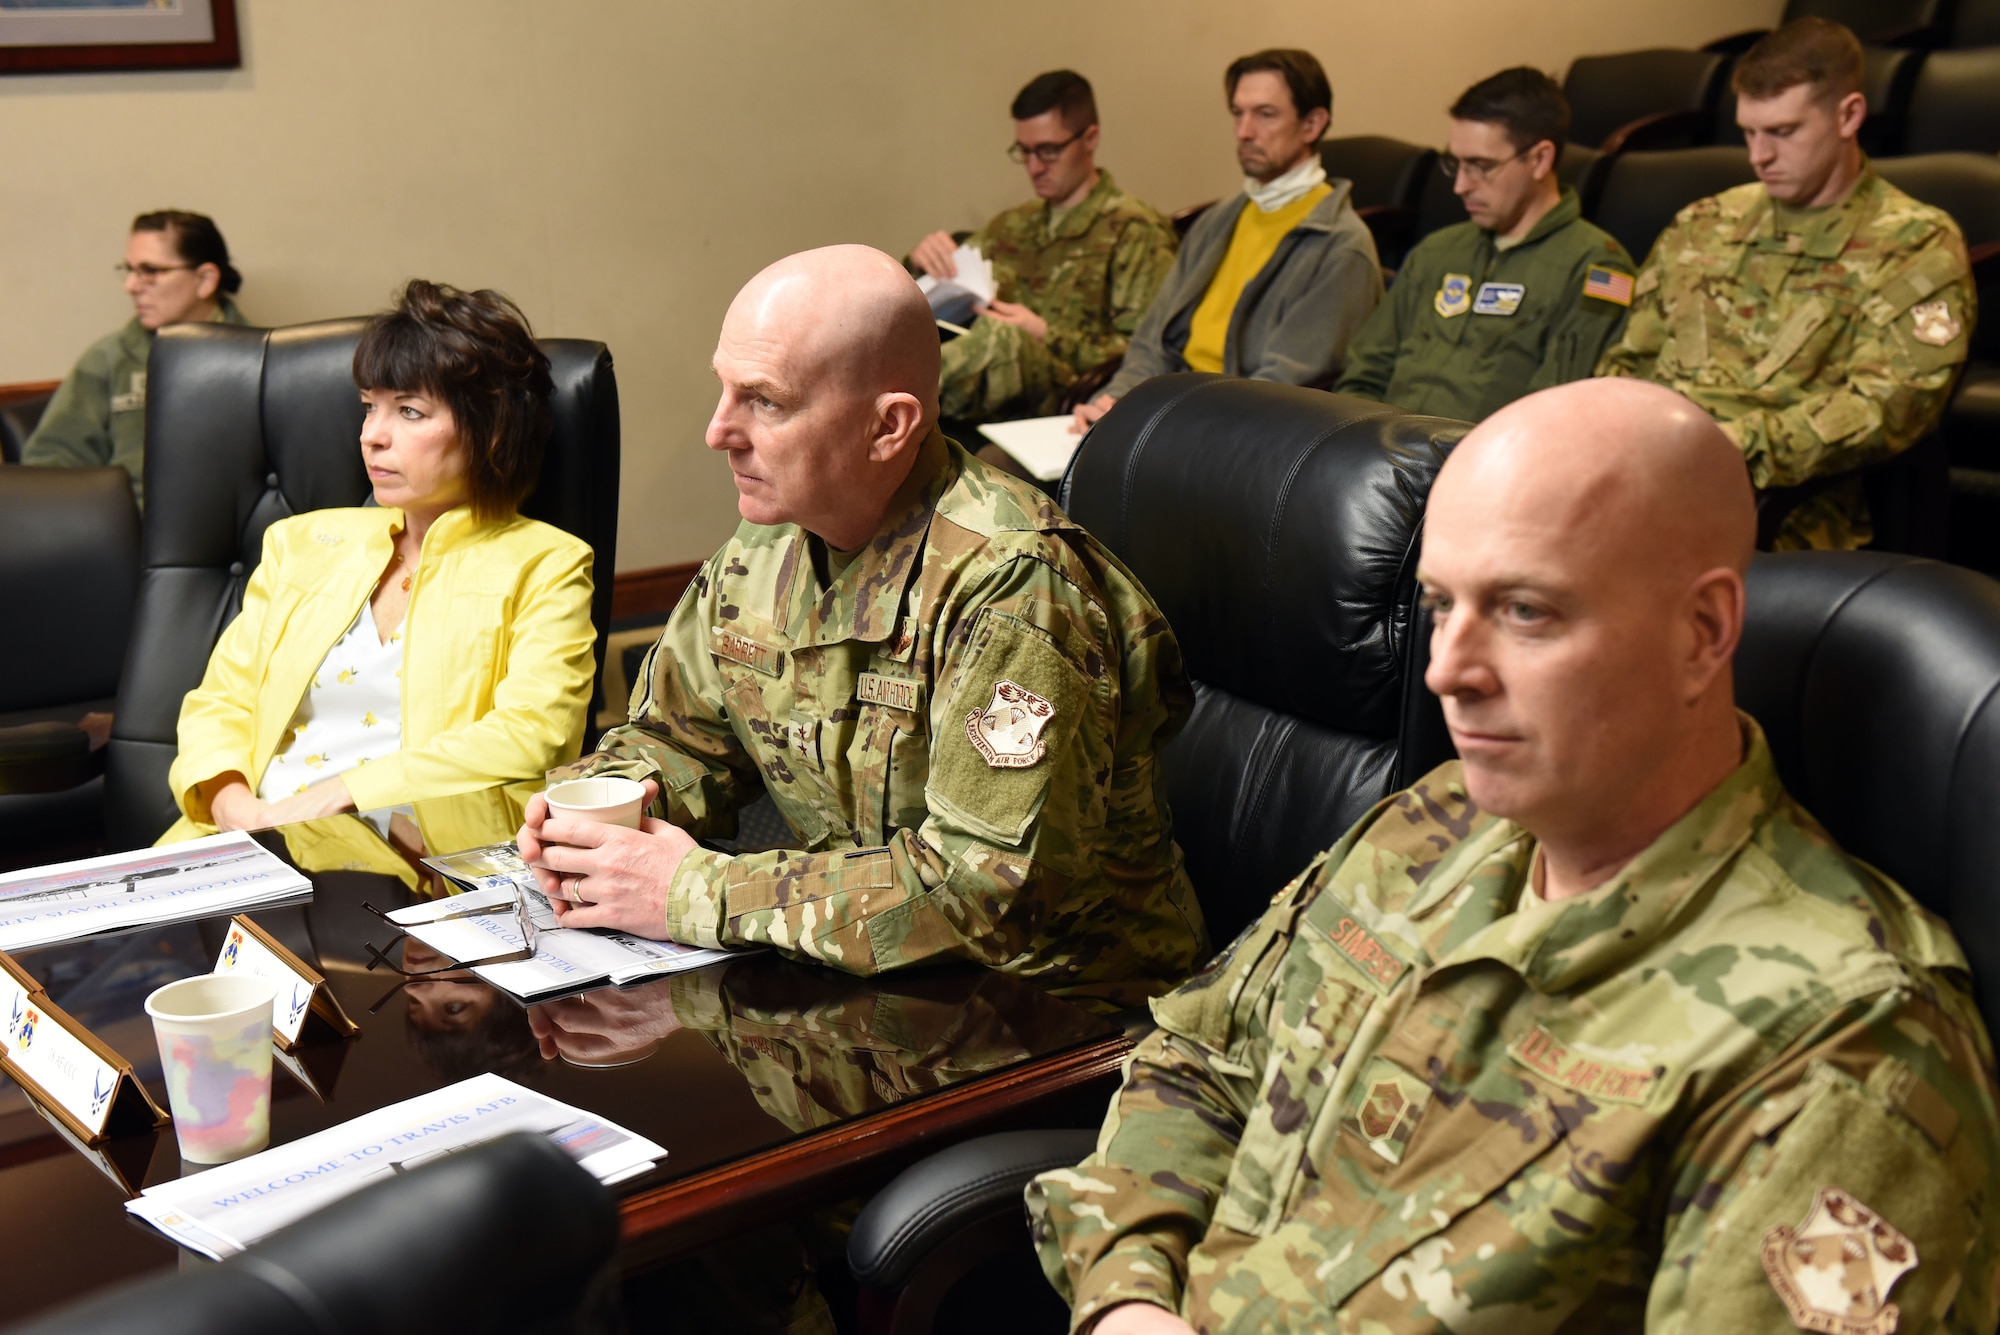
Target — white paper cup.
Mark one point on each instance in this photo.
(214, 1033)
(607, 800)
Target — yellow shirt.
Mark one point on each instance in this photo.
(496, 656)
(1251, 246)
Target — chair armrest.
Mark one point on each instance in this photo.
(1736, 43)
(46, 758)
(1662, 129)
(1090, 384)
(934, 1201)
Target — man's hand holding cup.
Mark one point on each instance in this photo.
(598, 860)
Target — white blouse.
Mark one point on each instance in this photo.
(351, 714)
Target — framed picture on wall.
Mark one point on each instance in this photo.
(80, 36)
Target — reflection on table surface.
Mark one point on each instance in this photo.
(716, 1064)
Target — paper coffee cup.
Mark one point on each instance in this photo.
(214, 1033)
(607, 800)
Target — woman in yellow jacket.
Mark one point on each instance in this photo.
(434, 644)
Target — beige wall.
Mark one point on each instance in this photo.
(621, 166)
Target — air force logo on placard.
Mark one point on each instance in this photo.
(1498, 298)
(1454, 295)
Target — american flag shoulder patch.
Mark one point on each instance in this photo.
(1608, 285)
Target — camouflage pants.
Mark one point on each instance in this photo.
(999, 370)
(1834, 520)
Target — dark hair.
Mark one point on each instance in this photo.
(1525, 102)
(499, 1040)
(1812, 51)
(1303, 76)
(474, 352)
(1058, 90)
(196, 240)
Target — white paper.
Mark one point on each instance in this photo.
(566, 958)
(1044, 445)
(57, 1060)
(242, 952)
(223, 1210)
(953, 298)
(223, 873)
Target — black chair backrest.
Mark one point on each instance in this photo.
(1384, 171)
(502, 1238)
(18, 419)
(1643, 191)
(1976, 23)
(69, 550)
(1906, 22)
(245, 427)
(1607, 93)
(1889, 76)
(1967, 186)
(1955, 105)
(1278, 528)
(1877, 680)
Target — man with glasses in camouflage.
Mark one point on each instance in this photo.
(1524, 295)
(1075, 267)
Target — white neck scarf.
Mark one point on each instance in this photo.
(1274, 194)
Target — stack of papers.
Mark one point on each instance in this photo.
(953, 299)
(224, 873)
(221, 1211)
(566, 958)
(1044, 445)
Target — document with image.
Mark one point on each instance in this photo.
(567, 959)
(952, 299)
(220, 1211)
(223, 873)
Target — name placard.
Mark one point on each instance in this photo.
(66, 1068)
(302, 991)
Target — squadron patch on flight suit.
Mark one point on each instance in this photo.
(1834, 1271)
(135, 398)
(1498, 298)
(1933, 323)
(1454, 295)
(1008, 732)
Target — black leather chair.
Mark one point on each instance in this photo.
(1278, 528)
(69, 559)
(1876, 679)
(20, 414)
(1889, 76)
(1388, 177)
(1955, 104)
(1976, 23)
(510, 1237)
(1661, 98)
(1875, 22)
(1642, 192)
(245, 427)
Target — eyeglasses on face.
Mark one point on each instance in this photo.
(149, 273)
(1046, 154)
(1479, 169)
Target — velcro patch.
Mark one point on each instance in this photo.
(1608, 285)
(1389, 1101)
(740, 648)
(1498, 298)
(1601, 1080)
(905, 693)
(1365, 951)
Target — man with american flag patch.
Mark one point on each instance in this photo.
(1522, 296)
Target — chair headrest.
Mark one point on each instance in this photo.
(1277, 528)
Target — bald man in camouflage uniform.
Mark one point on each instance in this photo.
(957, 713)
(1820, 315)
(1653, 1055)
(1075, 267)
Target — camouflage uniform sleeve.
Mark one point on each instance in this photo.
(1139, 263)
(1119, 1226)
(1897, 380)
(1842, 1185)
(678, 731)
(75, 430)
(999, 843)
(1645, 329)
(1586, 326)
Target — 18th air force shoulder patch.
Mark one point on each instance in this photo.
(1008, 732)
(1834, 1271)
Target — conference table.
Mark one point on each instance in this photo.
(774, 1085)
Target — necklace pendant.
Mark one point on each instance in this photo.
(406, 584)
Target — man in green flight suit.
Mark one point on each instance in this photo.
(1594, 1028)
(952, 693)
(1523, 296)
(1075, 268)
(176, 269)
(1820, 315)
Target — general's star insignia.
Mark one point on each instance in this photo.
(1834, 1271)
(1934, 324)
(1008, 732)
